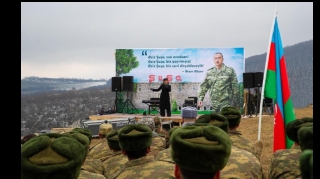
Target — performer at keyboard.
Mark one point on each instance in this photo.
(164, 97)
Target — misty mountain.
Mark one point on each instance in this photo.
(299, 62)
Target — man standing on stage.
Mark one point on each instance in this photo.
(222, 83)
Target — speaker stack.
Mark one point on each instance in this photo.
(127, 83)
(116, 84)
(252, 80)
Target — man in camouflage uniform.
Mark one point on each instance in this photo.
(135, 141)
(222, 83)
(241, 164)
(101, 150)
(158, 129)
(116, 162)
(285, 163)
(53, 155)
(233, 116)
(165, 155)
(199, 151)
(158, 142)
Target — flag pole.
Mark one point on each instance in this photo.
(264, 74)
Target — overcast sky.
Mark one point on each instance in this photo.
(79, 39)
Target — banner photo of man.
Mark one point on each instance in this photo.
(213, 75)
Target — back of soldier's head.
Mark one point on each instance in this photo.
(215, 119)
(305, 136)
(200, 150)
(135, 139)
(232, 114)
(293, 126)
(113, 140)
(104, 129)
(53, 155)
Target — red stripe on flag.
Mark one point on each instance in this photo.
(279, 138)
(284, 81)
(272, 58)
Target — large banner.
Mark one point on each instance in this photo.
(178, 65)
(213, 75)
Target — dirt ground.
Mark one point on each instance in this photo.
(249, 129)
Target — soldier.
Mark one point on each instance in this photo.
(285, 163)
(222, 83)
(189, 115)
(233, 116)
(135, 141)
(53, 155)
(158, 142)
(90, 164)
(165, 155)
(199, 151)
(101, 150)
(158, 129)
(241, 164)
(115, 163)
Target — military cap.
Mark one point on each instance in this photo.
(215, 119)
(148, 121)
(134, 137)
(305, 136)
(86, 132)
(306, 164)
(172, 130)
(113, 140)
(53, 155)
(233, 115)
(208, 144)
(293, 126)
(105, 128)
(189, 112)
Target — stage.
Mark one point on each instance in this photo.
(176, 118)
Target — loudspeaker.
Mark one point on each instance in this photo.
(248, 80)
(258, 78)
(127, 83)
(116, 84)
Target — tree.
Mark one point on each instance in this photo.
(125, 61)
(174, 107)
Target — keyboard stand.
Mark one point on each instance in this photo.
(153, 108)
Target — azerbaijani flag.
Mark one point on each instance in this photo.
(277, 87)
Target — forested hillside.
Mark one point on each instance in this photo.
(299, 61)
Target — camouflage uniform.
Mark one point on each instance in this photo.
(223, 87)
(89, 175)
(165, 155)
(285, 164)
(93, 165)
(114, 165)
(158, 144)
(100, 151)
(242, 142)
(147, 168)
(242, 164)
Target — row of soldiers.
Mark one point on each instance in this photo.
(207, 147)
